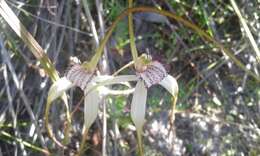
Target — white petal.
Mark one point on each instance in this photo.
(91, 103)
(58, 88)
(138, 104)
(170, 84)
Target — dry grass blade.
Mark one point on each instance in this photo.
(28, 39)
(91, 22)
(22, 94)
(248, 32)
(11, 108)
(27, 144)
(36, 49)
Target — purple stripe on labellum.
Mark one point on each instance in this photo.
(79, 76)
(154, 73)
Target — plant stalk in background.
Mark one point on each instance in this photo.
(37, 51)
(93, 62)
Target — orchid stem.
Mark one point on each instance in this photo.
(122, 68)
(83, 141)
(172, 115)
(131, 33)
(140, 143)
(94, 61)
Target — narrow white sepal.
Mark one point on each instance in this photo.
(91, 103)
(109, 80)
(102, 81)
(138, 105)
(58, 88)
(103, 91)
(170, 84)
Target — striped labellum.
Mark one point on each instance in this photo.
(79, 76)
(153, 74)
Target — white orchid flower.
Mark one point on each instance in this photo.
(149, 74)
(94, 89)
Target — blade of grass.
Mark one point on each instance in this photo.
(248, 32)
(50, 22)
(105, 69)
(17, 84)
(12, 110)
(36, 49)
(20, 30)
(25, 143)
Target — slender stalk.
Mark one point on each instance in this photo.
(105, 69)
(247, 30)
(91, 21)
(140, 142)
(104, 132)
(172, 115)
(94, 61)
(199, 31)
(83, 141)
(135, 57)
(131, 34)
(122, 68)
(92, 64)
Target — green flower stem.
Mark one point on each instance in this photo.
(140, 142)
(172, 115)
(199, 31)
(94, 61)
(131, 34)
(122, 68)
(83, 141)
(91, 66)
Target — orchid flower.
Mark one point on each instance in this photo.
(90, 84)
(153, 73)
(93, 87)
(148, 73)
